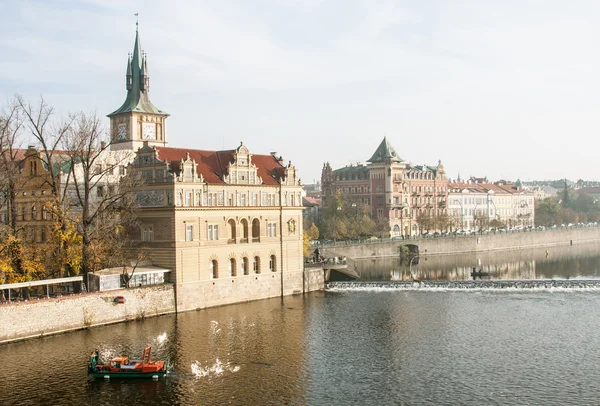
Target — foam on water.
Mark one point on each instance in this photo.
(217, 368)
(549, 285)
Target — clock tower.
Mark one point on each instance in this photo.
(137, 120)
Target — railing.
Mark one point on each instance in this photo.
(255, 239)
(243, 240)
(231, 241)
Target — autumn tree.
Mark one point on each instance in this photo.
(310, 234)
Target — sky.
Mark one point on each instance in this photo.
(505, 89)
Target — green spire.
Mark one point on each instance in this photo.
(137, 84)
(385, 151)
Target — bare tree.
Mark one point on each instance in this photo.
(11, 126)
(49, 136)
(99, 191)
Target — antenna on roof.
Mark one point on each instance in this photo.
(136, 20)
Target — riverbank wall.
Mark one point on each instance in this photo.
(466, 244)
(38, 318)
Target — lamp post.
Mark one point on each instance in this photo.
(462, 226)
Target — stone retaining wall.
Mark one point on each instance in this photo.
(460, 244)
(35, 318)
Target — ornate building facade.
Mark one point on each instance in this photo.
(411, 198)
(227, 223)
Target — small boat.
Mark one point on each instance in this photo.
(123, 367)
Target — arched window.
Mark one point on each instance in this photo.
(272, 263)
(245, 266)
(244, 224)
(33, 213)
(214, 269)
(255, 230)
(232, 270)
(231, 231)
(256, 264)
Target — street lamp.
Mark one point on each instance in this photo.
(462, 226)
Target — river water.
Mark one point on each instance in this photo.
(369, 344)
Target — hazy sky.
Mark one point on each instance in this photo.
(504, 89)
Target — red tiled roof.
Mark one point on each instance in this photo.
(213, 164)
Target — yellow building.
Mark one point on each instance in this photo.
(227, 223)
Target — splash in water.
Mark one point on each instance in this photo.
(214, 326)
(162, 338)
(217, 368)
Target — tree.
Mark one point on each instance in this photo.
(344, 218)
(49, 136)
(312, 233)
(102, 198)
(11, 126)
(547, 212)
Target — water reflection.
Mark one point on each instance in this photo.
(563, 262)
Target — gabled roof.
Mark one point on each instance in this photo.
(385, 151)
(212, 165)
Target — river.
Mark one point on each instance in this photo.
(353, 344)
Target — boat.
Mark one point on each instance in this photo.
(124, 367)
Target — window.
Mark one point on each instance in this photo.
(232, 270)
(243, 199)
(214, 269)
(254, 199)
(271, 229)
(245, 265)
(188, 198)
(230, 199)
(272, 263)
(147, 233)
(33, 213)
(213, 232)
(189, 232)
(122, 170)
(100, 191)
(111, 190)
(380, 200)
(379, 213)
(256, 264)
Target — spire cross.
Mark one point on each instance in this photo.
(136, 21)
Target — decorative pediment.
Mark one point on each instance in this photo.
(242, 171)
(188, 170)
(290, 176)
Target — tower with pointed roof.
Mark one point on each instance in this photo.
(137, 120)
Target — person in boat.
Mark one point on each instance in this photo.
(92, 365)
(96, 355)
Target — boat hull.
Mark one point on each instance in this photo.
(128, 375)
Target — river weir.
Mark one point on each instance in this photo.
(533, 284)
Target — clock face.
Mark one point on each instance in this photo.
(149, 131)
(122, 134)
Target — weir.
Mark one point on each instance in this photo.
(529, 284)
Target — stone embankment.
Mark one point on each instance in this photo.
(37, 318)
(465, 244)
